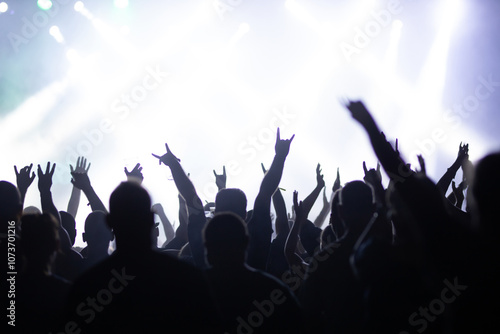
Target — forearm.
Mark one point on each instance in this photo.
(281, 216)
(74, 201)
(309, 200)
(390, 160)
(445, 181)
(186, 189)
(94, 200)
(291, 241)
(319, 221)
(167, 226)
(48, 205)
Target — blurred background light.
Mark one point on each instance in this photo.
(3, 7)
(44, 4)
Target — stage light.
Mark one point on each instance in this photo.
(56, 33)
(3, 7)
(121, 3)
(78, 6)
(44, 4)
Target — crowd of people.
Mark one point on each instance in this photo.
(405, 258)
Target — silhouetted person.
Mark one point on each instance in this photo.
(137, 289)
(97, 235)
(250, 301)
(69, 224)
(40, 295)
(331, 296)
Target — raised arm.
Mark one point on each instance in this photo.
(167, 226)
(294, 261)
(44, 185)
(327, 204)
(24, 180)
(259, 226)
(74, 199)
(220, 179)
(463, 155)
(313, 196)
(281, 223)
(196, 214)
(389, 158)
(81, 181)
(135, 175)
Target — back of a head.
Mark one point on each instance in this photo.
(356, 204)
(485, 191)
(226, 238)
(39, 238)
(130, 214)
(231, 200)
(69, 224)
(96, 229)
(10, 204)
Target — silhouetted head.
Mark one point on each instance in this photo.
(231, 200)
(130, 216)
(356, 205)
(327, 236)
(226, 240)
(69, 224)
(10, 204)
(31, 210)
(97, 233)
(39, 241)
(486, 193)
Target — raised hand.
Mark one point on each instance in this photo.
(336, 184)
(220, 179)
(23, 179)
(360, 113)
(282, 146)
(421, 161)
(167, 158)
(463, 153)
(459, 192)
(372, 176)
(263, 168)
(320, 181)
(81, 180)
(81, 166)
(135, 175)
(298, 208)
(45, 180)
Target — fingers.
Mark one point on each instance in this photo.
(15, 169)
(278, 135)
(71, 170)
(126, 171)
(215, 173)
(293, 136)
(137, 167)
(364, 168)
(88, 167)
(263, 168)
(224, 170)
(157, 157)
(338, 173)
(39, 171)
(53, 169)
